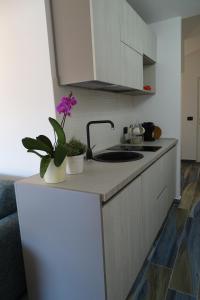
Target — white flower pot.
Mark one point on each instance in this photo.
(55, 174)
(75, 164)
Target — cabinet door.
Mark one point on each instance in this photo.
(170, 174)
(149, 42)
(152, 187)
(131, 27)
(105, 16)
(162, 206)
(123, 240)
(72, 40)
(158, 190)
(131, 68)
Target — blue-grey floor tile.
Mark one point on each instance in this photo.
(174, 295)
(189, 173)
(152, 285)
(170, 238)
(195, 211)
(140, 280)
(186, 274)
(191, 195)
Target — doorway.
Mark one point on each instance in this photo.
(190, 140)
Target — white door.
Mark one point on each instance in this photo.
(189, 117)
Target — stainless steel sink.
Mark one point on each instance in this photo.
(118, 156)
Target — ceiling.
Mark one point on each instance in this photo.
(157, 10)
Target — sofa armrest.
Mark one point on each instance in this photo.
(12, 278)
(7, 198)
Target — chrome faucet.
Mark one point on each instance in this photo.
(89, 154)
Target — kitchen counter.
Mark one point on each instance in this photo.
(106, 179)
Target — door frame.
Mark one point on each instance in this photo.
(198, 121)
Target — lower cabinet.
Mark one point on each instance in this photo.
(131, 221)
(123, 241)
(169, 162)
(158, 193)
(81, 249)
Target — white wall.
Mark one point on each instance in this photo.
(190, 77)
(164, 108)
(26, 95)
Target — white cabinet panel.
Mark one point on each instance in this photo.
(131, 27)
(136, 33)
(131, 68)
(87, 40)
(158, 190)
(152, 186)
(170, 173)
(149, 42)
(162, 206)
(105, 16)
(123, 241)
(73, 41)
(131, 221)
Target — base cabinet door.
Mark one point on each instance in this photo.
(123, 240)
(158, 191)
(170, 173)
(152, 186)
(162, 206)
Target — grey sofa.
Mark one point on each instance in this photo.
(12, 278)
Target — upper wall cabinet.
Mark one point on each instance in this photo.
(131, 27)
(131, 60)
(100, 44)
(87, 41)
(149, 43)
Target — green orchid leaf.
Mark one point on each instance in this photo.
(58, 130)
(45, 161)
(44, 139)
(60, 154)
(35, 152)
(33, 144)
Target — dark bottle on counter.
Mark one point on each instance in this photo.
(149, 129)
(125, 135)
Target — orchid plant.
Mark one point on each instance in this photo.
(57, 151)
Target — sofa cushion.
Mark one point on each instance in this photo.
(7, 197)
(12, 277)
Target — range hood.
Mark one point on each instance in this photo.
(108, 87)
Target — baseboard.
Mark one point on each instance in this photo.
(177, 199)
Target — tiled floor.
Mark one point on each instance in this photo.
(172, 271)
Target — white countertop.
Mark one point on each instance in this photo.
(106, 179)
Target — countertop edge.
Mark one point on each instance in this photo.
(104, 197)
